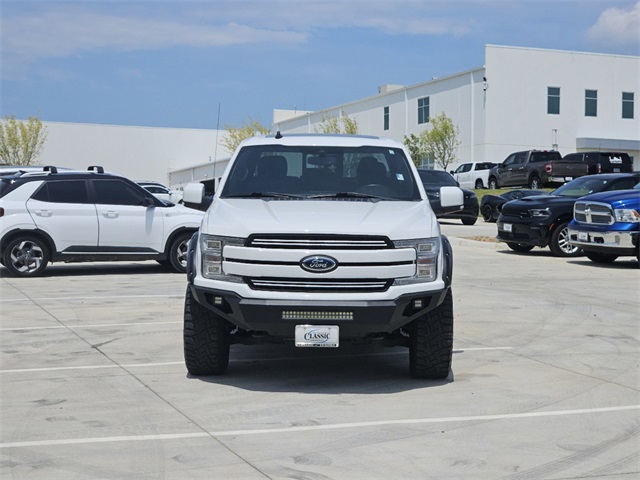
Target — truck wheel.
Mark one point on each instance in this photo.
(534, 182)
(26, 255)
(560, 245)
(601, 257)
(178, 252)
(469, 221)
(479, 184)
(493, 183)
(519, 247)
(487, 214)
(206, 339)
(431, 342)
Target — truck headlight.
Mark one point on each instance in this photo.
(626, 215)
(427, 250)
(212, 254)
(539, 212)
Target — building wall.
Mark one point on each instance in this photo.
(508, 112)
(460, 96)
(516, 114)
(139, 153)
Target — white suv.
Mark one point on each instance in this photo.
(73, 216)
(317, 240)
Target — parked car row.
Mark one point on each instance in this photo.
(604, 223)
(540, 168)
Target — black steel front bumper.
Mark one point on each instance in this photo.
(355, 318)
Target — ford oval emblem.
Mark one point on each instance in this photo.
(319, 264)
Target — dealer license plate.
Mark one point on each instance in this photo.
(507, 227)
(583, 236)
(318, 336)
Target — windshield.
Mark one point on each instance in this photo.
(582, 186)
(313, 172)
(437, 177)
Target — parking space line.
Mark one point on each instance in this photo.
(89, 367)
(102, 297)
(316, 428)
(101, 325)
(242, 360)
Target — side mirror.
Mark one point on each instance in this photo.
(193, 193)
(148, 202)
(451, 199)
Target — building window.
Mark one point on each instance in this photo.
(423, 110)
(386, 118)
(627, 104)
(553, 100)
(590, 103)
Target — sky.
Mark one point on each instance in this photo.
(213, 64)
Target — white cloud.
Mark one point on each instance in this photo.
(618, 26)
(71, 30)
(55, 34)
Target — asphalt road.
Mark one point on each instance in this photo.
(545, 382)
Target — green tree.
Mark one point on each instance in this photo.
(235, 135)
(21, 142)
(438, 144)
(338, 124)
(441, 141)
(416, 147)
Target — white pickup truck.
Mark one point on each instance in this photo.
(316, 240)
(473, 174)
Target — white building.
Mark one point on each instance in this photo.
(139, 153)
(522, 98)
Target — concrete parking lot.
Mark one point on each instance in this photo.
(545, 382)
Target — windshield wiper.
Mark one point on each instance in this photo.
(265, 195)
(349, 195)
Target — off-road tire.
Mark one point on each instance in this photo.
(519, 247)
(206, 339)
(601, 257)
(431, 342)
(26, 255)
(559, 243)
(178, 252)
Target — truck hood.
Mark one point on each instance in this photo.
(396, 220)
(539, 201)
(616, 198)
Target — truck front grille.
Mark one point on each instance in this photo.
(319, 285)
(594, 213)
(325, 242)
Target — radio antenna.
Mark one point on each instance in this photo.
(215, 151)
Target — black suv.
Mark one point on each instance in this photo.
(542, 221)
(79, 216)
(432, 180)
